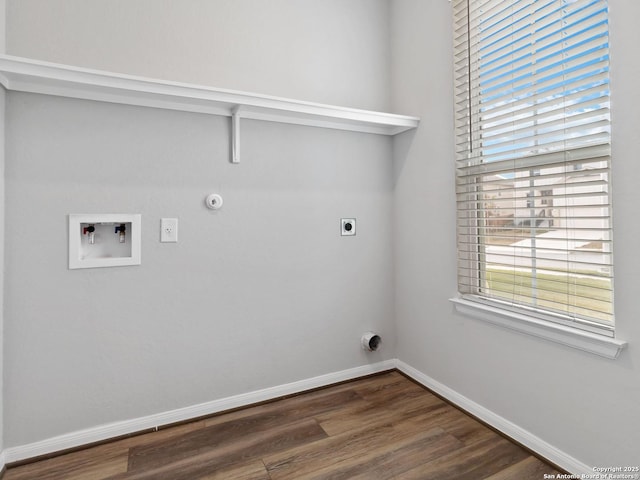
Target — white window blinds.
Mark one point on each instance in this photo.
(533, 154)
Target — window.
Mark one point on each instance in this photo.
(532, 157)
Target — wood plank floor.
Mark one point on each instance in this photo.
(380, 427)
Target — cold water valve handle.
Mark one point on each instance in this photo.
(120, 230)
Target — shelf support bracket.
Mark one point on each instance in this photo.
(235, 134)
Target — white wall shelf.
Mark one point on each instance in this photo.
(34, 76)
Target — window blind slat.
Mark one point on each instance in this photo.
(554, 286)
(525, 53)
(578, 103)
(537, 81)
(597, 83)
(548, 266)
(577, 238)
(574, 157)
(596, 284)
(542, 38)
(527, 57)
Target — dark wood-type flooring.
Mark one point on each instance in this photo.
(379, 427)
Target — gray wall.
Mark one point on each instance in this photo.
(261, 293)
(584, 405)
(329, 51)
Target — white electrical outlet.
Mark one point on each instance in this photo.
(169, 230)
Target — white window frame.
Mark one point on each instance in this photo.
(591, 338)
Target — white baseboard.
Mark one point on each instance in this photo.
(501, 424)
(113, 430)
(2, 461)
(116, 429)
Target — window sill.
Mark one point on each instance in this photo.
(589, 342)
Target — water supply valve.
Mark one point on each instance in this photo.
(91, 231)
(121, 231)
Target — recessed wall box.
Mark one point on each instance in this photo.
(104, 240)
